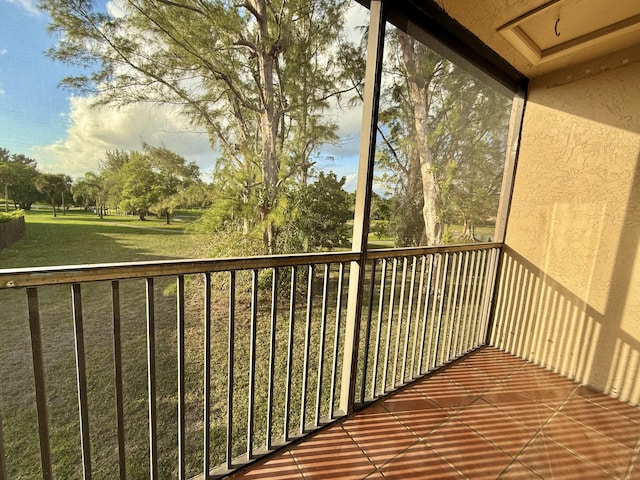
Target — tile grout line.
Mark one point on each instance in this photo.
(539, 431)
(364, 454)
(579, 422)
(298, 466)
(458, 412)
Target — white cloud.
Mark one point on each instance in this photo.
(3, 51)
(92, 131)
(29, 6)
(115, 9)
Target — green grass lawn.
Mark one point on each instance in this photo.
(81, 237)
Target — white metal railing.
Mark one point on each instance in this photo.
(426, 308)
(266, 335)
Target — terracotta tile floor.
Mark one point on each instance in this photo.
(487, 416)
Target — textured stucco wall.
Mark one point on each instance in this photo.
(569, 293)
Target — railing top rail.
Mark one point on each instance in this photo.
(410, 251)
(55, 275)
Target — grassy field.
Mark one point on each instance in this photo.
(80, 238)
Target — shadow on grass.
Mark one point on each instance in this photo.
(81, 239)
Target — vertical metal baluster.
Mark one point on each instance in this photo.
(446, 315)
(181, 387)
(425, 318)
(409, 322)
(486, 273)
(392, 295)
(252, 362)
(151, 381)
(493, 298)
(477, 296)
(231, 352)
(435, 320)
(454, 303)
(323, 330)
(423, 265)
(206, 417)
(336, 340)
(3, 465)
(443, 292)
(117, 370)
(292, 317)
(307, 344)
(467, 303)
(81, 375)
(459, 305)
(367, 335)
(489, 283)
(474, 299)
(38, 377)
(376, 356)
(400, 322)
(272, 353)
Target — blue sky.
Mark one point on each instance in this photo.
(32, 109)
(65, 134)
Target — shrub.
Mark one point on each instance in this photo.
(7, 217)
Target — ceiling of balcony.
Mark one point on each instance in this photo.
(538, 36)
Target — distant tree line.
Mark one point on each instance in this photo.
(310, 216)
(154, 180)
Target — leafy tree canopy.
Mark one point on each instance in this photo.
(18, 175)
(255, 75)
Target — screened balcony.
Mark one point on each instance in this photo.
(516, 358)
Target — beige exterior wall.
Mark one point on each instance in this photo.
(569, 293)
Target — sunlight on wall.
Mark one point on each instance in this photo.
(567, 295)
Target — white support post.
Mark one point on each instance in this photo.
(364, 190)
(511, 159)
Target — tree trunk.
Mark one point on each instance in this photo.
(64, 210)
(6, 197)
(431, 191)
(53, 205)
(166, 216)
(468, 232)
(269, 120)
(413, 55)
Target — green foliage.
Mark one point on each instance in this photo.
(443, 143)
(18, 175)
(141, 187)
(153, 181)
(56, 187)
(318, 213)
(7, 217)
